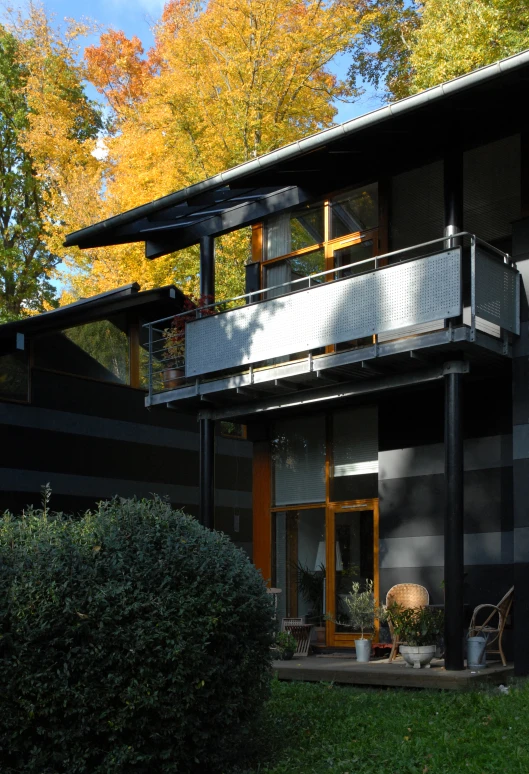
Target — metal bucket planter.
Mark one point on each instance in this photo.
(477, 652)
(417, 656)
(363, 650)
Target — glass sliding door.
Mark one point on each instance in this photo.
(299, 563)
(353, 530)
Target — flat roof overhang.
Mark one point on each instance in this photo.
(472, 109)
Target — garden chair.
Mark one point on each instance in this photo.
(406, 595)
(487, 627)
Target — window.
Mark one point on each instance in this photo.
(293, 231)
(355, 211)
(491, 189)
(298, 455)
(417, 206)
(14, 376)
(99, 350)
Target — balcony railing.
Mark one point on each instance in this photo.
(460, 280)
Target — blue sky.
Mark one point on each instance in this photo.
(136, 17)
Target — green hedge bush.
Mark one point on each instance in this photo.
(132, 640)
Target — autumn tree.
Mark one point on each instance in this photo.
(408, 45)
(48, 129)
(224, 82)
(25, 262)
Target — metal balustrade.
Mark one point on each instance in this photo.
(443, 283)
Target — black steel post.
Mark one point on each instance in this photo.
(207, 426)
(207, 268)
(453, 192)
(453, 532)
(207, 473)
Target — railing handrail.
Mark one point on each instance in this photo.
(447, 238)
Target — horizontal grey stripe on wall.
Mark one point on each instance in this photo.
(521, 544)
(411, 507)
(116, 429)
(480, 453)
(428, 551)
(91, 486)
(520, 441)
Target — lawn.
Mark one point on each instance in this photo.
(316, 728)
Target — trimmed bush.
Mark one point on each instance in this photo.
(132, 640)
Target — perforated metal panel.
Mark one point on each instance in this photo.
(396, 297)
(497, 291)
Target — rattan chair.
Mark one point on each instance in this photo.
(502, 610)
(406, 595)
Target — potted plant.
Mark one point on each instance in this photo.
(311, 585)
(419, 628)
(362, 610)
(286, 644)
(175, 340)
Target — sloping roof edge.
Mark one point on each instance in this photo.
(312, 142)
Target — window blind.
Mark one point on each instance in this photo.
(491, 188)
(298, 454)
(355, 442)
(417, 206)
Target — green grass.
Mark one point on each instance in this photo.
(316, 728)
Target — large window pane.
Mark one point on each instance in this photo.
(99, 350)
(298, 563)
(355, 211)
(354, 556)
(298, 457)
(14, 378)
(417, 206)
(293, 231)
(355, 454)
(280, 272)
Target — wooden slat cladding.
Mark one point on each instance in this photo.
(262, 519)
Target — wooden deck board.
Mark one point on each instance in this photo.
(383, 674)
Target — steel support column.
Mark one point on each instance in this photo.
(453, 527)
(453, 194)
(207, 426)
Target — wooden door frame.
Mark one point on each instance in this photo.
(346, 639)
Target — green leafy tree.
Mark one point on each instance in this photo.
(25, 263)
(408, 46)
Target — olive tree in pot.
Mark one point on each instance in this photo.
(362, 611)
(419, 628)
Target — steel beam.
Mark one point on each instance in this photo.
(453, 527)
(336, 392)
(168, 239)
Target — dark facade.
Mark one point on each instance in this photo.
(72, 418)
(380, 358)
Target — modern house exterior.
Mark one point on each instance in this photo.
(380, 356)
(72, 415)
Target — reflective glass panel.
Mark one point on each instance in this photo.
(14, 376)
(291, 231)
(355, 211)
(298, 563)
(357, 253)
(354, 558)
(280, 272)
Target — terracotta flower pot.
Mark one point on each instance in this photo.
(173, 377)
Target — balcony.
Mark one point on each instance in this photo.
(383, 316)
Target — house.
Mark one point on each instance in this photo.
(380, 356)
(72, 414)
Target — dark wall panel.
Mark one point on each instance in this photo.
(415, 505)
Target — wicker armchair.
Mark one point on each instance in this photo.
(407, 595)
(487, 627)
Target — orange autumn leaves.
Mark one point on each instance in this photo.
(225, 81)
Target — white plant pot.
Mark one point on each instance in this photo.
(363, 650)
(417, 656)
